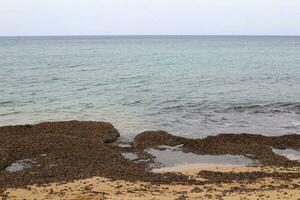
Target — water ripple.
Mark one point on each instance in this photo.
(191, 86)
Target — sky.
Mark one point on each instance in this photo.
(149, 17)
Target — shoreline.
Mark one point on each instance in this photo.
(73, 152)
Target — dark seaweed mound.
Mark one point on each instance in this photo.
(69, 150)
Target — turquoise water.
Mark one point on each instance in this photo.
(189, 85)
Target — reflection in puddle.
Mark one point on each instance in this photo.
(28, 163)
(124, 145)
(130, 156)
(288, 153)
(170, 157)
(22, 164)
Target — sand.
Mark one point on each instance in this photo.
(102, 188)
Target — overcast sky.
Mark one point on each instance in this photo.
(149, 17)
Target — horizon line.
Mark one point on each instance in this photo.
(156, 35)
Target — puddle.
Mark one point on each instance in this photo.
(175, 148)
(22, 164)
(288, 153)
(130, 156)
(172, 156)
(124, 145)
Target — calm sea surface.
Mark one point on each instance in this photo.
(191, 86)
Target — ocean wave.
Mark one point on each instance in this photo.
(132, 103)
(10, 113)
(74, 66)
(267, 108)
(6, 102)
(293, 125)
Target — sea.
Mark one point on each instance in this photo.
(192, 86)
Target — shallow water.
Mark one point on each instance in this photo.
(130, 156)
(191, 86)
(288, 153)
(170, 157)
(20, 165)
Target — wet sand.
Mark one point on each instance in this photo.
(75, 159)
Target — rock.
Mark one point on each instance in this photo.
(155, 138)
(196, 190)
(182, 197)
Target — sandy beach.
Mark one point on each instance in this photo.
(97, 188)
(83, 160)
(149, 100)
